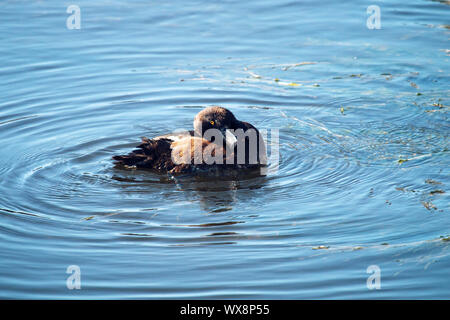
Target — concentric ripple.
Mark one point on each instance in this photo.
(361, 175)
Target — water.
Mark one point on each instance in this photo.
(351, 105)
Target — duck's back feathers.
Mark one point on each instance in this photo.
(184, 154)
(176, 136)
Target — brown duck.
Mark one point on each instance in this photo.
(219, 145)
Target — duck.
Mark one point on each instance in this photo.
(219, 144)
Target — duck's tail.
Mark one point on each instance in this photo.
(150, 154)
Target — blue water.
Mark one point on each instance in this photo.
(364, 163)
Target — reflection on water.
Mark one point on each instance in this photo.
(363, 145)
(217, 196)
(212, 194)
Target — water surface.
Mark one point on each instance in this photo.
(364, 149)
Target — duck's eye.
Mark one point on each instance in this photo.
(212, 122)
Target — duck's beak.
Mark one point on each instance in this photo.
(230, 138)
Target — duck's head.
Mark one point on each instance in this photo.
(217, 118)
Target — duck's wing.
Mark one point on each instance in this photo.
(150, 154)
